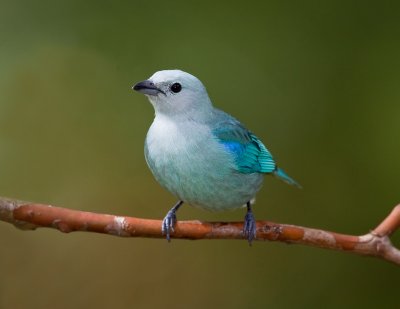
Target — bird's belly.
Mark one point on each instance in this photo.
(202, 175)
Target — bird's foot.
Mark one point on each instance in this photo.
(249, 226)
(169, 221)
(168, 224)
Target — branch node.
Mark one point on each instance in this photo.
(61, 226)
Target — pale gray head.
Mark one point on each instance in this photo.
(175, 93)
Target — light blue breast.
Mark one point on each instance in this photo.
(200, 170)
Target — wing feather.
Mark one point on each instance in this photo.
(251, 156)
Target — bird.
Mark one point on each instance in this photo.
(202, 155)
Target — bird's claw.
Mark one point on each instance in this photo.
(249, 227)
(168, 224)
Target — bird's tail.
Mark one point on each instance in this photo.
(280, 173)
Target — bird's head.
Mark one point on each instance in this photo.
(175, 93)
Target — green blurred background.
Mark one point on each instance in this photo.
(318, 81)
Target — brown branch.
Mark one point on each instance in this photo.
(26, 215)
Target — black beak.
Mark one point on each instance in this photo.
(147, 87)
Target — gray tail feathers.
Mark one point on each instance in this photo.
(279, 173)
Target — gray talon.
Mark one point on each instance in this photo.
(169, 221)
(249, 226)
(168, 224)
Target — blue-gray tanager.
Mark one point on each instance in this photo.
(202, 155)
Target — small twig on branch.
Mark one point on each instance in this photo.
(26, 215)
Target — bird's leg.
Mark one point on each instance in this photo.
(170, 220)
(249, 226)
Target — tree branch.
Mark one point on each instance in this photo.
(26, 215)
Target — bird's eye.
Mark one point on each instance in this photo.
(176, 87)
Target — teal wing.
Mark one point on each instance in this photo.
(251, 156)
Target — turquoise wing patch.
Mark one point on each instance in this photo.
(251, 156)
